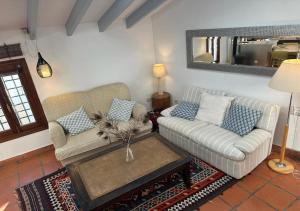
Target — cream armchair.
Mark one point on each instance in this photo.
(72, 148)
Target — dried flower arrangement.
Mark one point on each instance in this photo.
(110, 129)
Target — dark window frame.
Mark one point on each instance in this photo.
(16, 129)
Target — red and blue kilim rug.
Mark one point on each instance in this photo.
(55, 192)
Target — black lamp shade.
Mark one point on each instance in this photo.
(43, 68)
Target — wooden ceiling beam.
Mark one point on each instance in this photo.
(32, 16)
(117, 8)
(78, 11)
(142, 11)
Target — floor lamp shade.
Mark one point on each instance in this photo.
(287, 79)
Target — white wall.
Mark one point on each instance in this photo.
(169, 27)
(84, 60)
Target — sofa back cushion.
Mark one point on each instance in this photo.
(193, 93)
(270, 111)
(94, 100)
(213, 108)
(61, 105)
(101, 97)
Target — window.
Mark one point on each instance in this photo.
(21, 112)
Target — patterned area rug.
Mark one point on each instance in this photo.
(55, 192)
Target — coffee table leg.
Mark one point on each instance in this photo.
(186, 175)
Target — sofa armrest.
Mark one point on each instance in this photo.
(167, 111)
(249, 143)
(57, 134)
(139, 112)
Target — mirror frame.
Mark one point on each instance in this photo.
(279, 30)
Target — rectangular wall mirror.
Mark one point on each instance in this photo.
(254, 50)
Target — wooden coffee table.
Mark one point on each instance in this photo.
(103, 177)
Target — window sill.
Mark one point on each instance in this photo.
(24, 133)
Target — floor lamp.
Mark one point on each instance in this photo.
(287, 79)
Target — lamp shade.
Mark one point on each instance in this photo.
(44, 70)
(287, 77)
(159, 70)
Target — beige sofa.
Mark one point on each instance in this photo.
(72, 148)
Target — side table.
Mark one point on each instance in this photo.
(161, 101)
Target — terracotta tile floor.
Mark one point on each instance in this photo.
(261, 190)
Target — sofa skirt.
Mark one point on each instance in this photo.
(236, 169)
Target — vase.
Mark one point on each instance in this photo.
(129, 154)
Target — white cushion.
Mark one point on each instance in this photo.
(167, 111)
(213, 108)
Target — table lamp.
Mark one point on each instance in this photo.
(287, 79)
(159, 71)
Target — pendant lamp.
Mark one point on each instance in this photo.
(43, 68)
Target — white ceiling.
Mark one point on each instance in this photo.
(13, 13)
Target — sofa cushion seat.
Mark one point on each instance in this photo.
(249, 143)
(182, 126)
(80, 143)
(210, 136)
(218, 140)
(89, 139)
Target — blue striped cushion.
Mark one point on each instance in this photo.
(241, 119)
(185, 110)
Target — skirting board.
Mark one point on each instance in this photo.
(293, 154)
(27, 155)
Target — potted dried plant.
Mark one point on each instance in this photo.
(109, 129)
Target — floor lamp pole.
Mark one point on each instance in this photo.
(281, 165)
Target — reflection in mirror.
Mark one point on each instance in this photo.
(246, 50)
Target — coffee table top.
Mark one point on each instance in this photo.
(104, 176)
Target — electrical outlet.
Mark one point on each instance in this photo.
(148, 100)
(175, 101)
